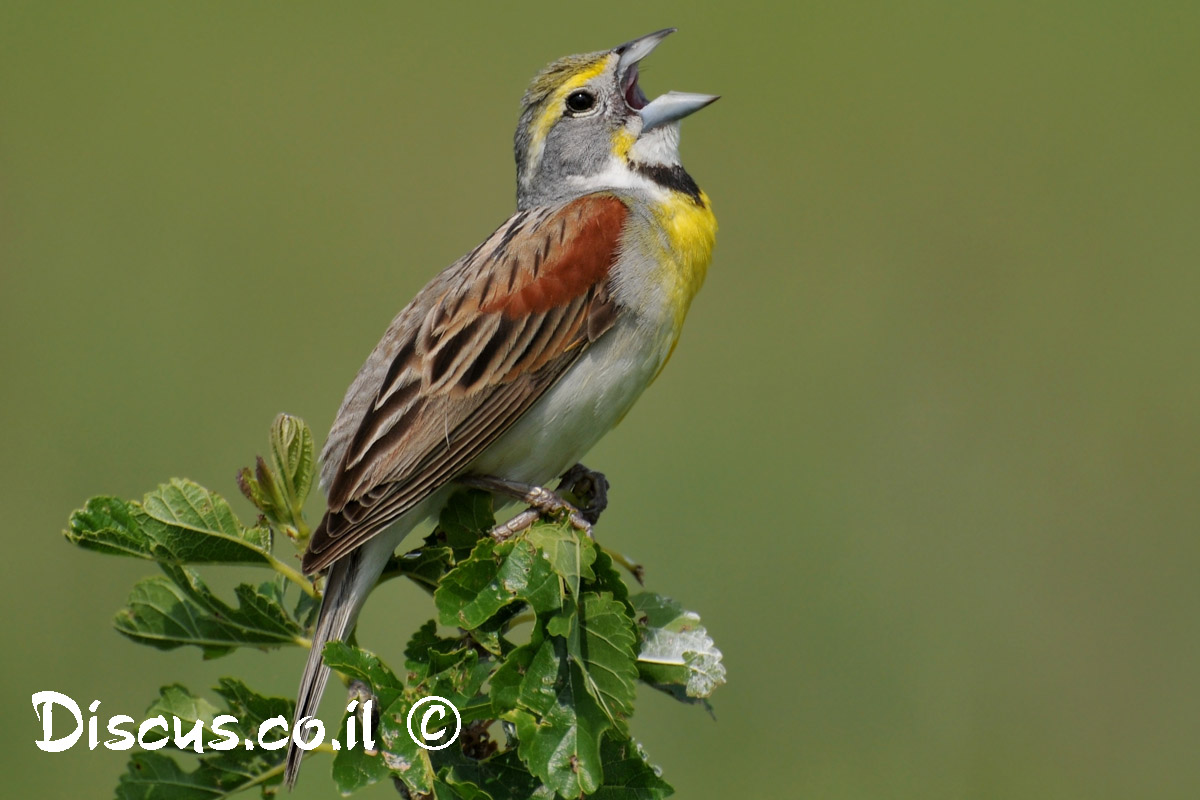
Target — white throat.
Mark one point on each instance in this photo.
(659, 147)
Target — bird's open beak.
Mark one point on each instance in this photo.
(664, 109)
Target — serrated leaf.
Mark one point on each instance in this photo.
(492, 577)
(109, 525)
(608, 579)
(490, 635)
(628, 775)
(424, 566)
(180, 522)
(156, 776)
(306, 610)
(355, 768)
(403, 757)
(459, 683)
(467, 517)
(249, 706)
(198, 526)
(562, 746)
(529, 678)
(600, 638)
(176, 701)
(292, 454)
(278, 489)
(506, 681)
(358, 664)
(427, 654)
(570, 554)
(179, 609)
(676, 650)
(565, 623)
(605, 654)
(503, 776)
(219, 774)
(459, 791)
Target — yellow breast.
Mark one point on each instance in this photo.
(689, 232)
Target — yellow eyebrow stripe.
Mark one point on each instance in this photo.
(554, 104)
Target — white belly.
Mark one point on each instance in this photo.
(585, 404)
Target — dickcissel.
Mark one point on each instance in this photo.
(514, 361)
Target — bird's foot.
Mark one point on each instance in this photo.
(589, 487)
(542, 503)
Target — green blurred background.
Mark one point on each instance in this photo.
(927, 459)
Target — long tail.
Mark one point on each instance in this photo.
(350, 580)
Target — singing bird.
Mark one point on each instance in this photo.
(513, 362)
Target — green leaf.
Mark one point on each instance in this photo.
(109, 525)
(403, 757)
(355, 768)
(491, 578)
(180, 522)
(608, 579)
(460, 683)
(676, 651)
(428, 654)
(358, 664)
(307, 608)
(424, 566)
(606, 656)
(198, 526)
(570, 554)
(176, 701)
(529, 678)
(490, 635)
(459, 791)
(562, 747)
(566, 622)
(156, 776)
(448, 668)
(467, 517)
(292, 455)
(168, 612)
(503, 776)
(628, 775)
(506, 681)
(249, 706)
(219, 774)
(568, 693)
(280, 488)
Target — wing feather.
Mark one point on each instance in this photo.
(472, 352)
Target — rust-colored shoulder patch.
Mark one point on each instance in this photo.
(561, 259)
(506, 322)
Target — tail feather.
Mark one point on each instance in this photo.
(350, 580)
(347, 585)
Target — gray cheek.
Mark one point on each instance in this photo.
(576, 148)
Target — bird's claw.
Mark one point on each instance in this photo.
(590, 487)
(542, 503)
(546, 503)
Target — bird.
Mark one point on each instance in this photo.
(510, 364)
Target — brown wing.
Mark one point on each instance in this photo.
(472, 352)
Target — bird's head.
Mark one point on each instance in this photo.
(586, 125)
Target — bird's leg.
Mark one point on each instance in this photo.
(541, 500)
(515, 525)
(589, 487)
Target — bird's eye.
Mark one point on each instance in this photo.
(580, 101)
